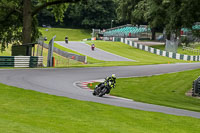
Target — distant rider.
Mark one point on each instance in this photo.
(92, 47)
(66, 39)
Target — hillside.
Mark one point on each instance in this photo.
(73, 34)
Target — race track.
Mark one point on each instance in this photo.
(61, 82)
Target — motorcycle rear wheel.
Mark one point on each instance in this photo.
(103, 92)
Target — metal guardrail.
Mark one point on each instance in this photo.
(21, 61)
(158, 51)
(68, 55)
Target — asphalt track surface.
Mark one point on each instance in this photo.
(61, 82)
(85, 49)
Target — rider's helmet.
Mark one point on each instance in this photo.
(113, 76)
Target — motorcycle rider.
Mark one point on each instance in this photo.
(110, 82)
(66, 39)
(92, 47)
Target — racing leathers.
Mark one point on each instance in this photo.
(110, 83)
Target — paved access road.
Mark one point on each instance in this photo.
(85, 49)
(61, 82)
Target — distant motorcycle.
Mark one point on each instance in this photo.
(102, 89)
(66, 39)
(92, 47)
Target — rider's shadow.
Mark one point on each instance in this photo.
(107, 96)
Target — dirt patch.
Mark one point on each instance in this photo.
(189, 93)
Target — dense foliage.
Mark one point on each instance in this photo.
(170, 15)
(18, 22)
(93, 14)
(19, 18)
(10, 24)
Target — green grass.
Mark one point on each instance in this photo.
(166, 89)
(73, 34)
(7, 51)
(26, 111)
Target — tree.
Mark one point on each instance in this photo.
(153, 14)
(10, 25)
(46, 17)
(170, 15)
(16, 14)
(190, 15)
(179, 14)
(140, 12)
(93, 14)
(125, 10)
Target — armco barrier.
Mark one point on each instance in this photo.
(68, 55)
(158, 51)
(21, 61)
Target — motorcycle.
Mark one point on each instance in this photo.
(66, 39)
(102, 89)
(92, 47)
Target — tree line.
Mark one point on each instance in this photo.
(90, 14)
(19, 19)
(168, 15)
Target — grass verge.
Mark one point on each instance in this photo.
(166, 89)
(26, 111)
(73, 34)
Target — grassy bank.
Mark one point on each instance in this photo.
(73, 34)
(26, 111)
(166, 89)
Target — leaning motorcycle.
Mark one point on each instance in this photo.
(102, 89)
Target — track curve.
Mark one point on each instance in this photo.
(60, 82)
